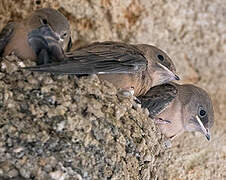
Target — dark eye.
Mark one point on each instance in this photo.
(161, 58)
(38, 2)
(202, 113)
(65, 35)
(44, 21)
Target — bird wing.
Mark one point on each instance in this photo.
(158, 98)
(5, 35)
(99, 58)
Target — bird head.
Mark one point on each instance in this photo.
(56, 21)
(161, 67)
(197, 109)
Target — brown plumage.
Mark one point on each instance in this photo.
(13, 37)
(129, 67)
(178, 108)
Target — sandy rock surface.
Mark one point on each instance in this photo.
(193, 33)
(62, 127)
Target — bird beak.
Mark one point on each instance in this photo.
(169, 73)
(204, 130)
(177, 77)
(208, 135)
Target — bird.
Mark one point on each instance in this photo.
(130, 68)
(179, 108)
(45, 43)
(14, 36)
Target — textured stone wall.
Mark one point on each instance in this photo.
(193, 33)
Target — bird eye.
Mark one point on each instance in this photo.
(160, 57)
(64, 35)
(44, 21)
(202, 113)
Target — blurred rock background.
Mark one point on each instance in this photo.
(193, 33)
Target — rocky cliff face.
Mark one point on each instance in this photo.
(64, 127)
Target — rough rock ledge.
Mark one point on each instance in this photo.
(64, 127)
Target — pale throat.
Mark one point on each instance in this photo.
(172, 113)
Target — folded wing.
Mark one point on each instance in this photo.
(98, 58)
(158, 98)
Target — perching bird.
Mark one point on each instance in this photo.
(14, 36)
(178, 108)
(133, 68)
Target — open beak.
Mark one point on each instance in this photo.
(204, 130)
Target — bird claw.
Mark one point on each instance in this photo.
(162, 121)
(126, 93)
(146, 111)
(136, 105)
(136, 100)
